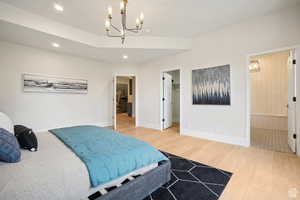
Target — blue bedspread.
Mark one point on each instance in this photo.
(107, 154)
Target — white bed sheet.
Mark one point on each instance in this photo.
(53, 172)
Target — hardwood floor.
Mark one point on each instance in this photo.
(258, 174)
(175, 128)
(124, 121)
(271, 139)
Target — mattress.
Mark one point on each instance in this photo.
(54, 172)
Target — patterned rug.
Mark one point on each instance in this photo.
(191, 181)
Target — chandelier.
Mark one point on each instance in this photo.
(254, 66)
(121, 32)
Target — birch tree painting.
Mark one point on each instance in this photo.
(211, 86)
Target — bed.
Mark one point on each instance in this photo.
(55, 172)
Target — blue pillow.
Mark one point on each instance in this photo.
(9, 147)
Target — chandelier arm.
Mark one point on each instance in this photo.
(135, 29)
(124, 28)
(114, 27)
(114, 36)
(132, 30)
(109, 35)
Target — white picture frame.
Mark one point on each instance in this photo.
(51, 84)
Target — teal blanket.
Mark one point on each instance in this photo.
(107, 154)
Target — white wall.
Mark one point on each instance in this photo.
(42, 111)
(230, 45)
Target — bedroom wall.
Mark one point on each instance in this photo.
(43, 111)
(230, 45)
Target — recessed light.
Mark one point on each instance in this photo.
(58, 7)
(125, 57)
(56, 45)
(147, 30)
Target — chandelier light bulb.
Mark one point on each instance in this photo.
(109, 11)
(138, 22)
(107, 25)
(122, 5)
(120, 32)
(58, 7)
(142, 17)
(254, 66)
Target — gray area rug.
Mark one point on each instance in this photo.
(190, 180)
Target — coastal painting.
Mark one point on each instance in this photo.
(41, 83)
(211, 86)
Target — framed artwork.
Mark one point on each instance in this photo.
(41, 83)
(211, 86)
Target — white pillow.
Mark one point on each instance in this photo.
(6, 123)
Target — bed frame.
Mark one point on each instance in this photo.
(142, 186)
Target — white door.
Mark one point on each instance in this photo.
(297, 71)
(291, 103)
(114, 114)
(167, 100)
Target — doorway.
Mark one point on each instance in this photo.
(125, 102)
(273, 106)
(170, 101)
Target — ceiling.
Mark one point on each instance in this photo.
(167, 18)
(22, 35)
(80, 28)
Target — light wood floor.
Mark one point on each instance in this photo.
(270, 139)
(258, 174)
(124, 121)
(175, 128)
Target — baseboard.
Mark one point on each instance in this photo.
(101, 124)
(149, 125)
(218, 138)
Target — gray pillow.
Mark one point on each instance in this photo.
(9, 147)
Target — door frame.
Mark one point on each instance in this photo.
(162, 94)
(248, 94)
(114, 116)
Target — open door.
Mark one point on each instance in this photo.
(114, 114)
(167, 100)
(292, 102)
(297, 72)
